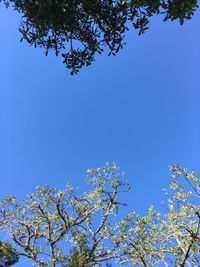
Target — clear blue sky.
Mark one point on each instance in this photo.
(140, 109)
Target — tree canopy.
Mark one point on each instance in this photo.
(60, 228)
(79, 29)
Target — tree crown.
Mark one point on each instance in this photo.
(59, 228)
(78, 29)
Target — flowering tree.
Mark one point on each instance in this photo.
(78, 29)
(49, 222)
(169, 239)
(59, 228)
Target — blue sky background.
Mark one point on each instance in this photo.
(139, 109)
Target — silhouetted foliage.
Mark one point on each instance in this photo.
(8, 255)
(78, 29)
